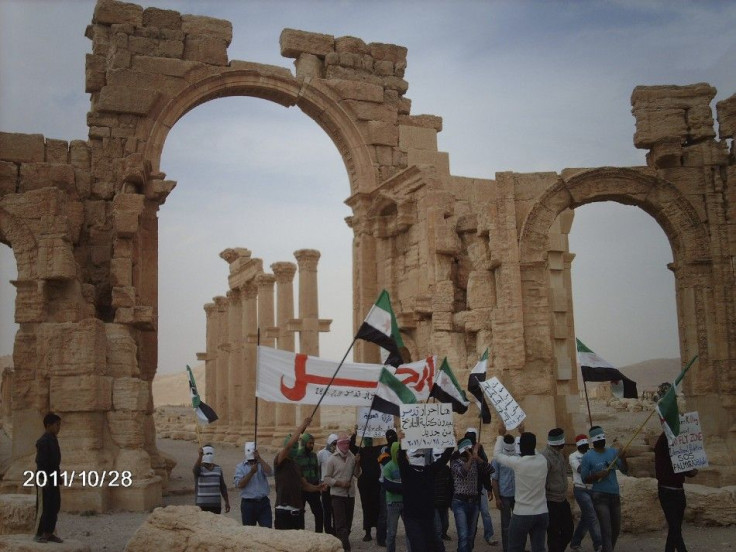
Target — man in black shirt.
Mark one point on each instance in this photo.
(48, 497)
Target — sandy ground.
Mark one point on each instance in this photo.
(110, 532)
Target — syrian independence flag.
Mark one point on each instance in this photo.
(667, 409)
(477, 375)
(596, 369)
(380, 327)
(446, 389)
(390, 394)
(204, 413)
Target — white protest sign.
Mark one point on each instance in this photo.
(509, 410)
(687, 451)
(376, 425)
(427, 426)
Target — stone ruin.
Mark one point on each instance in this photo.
(233, 325)
(470, 262)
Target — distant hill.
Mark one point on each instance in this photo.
(173, 389)
(650, 373)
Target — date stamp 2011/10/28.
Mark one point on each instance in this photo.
(90, 478)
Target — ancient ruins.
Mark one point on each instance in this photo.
(469, 262)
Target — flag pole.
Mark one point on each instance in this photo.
(587, 401)
(255, 424)
(333, 377)
(620, 452)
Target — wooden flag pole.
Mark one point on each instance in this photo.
(613, 463)
(587, 401)
(333, 377)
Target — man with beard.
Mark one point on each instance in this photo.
(340, 470)
(290, 483)
(588, 520)
(309, 465)
(560, 528)
(418, 471)
(322, 457)
(599, 468)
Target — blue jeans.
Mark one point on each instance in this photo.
(254, 511)
(394, 511)
(441, 525)
(535, 526)
(466, 522)
(588, 520)
(608, 510)
(486, 516)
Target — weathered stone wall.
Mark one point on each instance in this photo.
(469, 263)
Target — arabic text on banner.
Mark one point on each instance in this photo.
(427, 426)
(288, 377)
(687, 450)
(376, 425)
(507, 407)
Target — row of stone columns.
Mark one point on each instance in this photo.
(249, 312)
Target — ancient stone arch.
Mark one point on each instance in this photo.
(470, 262)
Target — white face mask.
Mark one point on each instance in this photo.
(417, 458)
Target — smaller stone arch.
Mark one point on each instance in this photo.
(660, 199)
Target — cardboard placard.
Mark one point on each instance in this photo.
(687, 451)
(508, 409)
(427, 426)
(376, 425)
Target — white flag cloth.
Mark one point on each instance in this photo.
(288, 377)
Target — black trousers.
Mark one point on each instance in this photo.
(561, 526)
(327, 512)
(288, 519)
(315, 504)
(673, 505)
(48, 504)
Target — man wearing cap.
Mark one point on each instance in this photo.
(502, 480)
(561, 525)
(530, 516)
(309, 465)
(290, 483)
(209, 482)
(588, 519)
(465, 468)
(598, 467)
(322, 457)
(251, 477)
(340, 472)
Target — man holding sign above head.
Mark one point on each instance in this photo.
(671, 494)
(466, 468)
(530, 516)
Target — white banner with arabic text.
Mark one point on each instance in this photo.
(287, 377)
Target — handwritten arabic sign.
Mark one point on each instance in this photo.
(288, 377)
(687, 450)
(375, 425)
(509, 410)
(427, 426)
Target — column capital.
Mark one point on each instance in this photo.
(232, 254)
(249, 290)
(265, 280)
(284, 271)
(209, 308)
(220, 302)
(233, 295)
(307, 258)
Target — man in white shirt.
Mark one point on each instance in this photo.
(322, 457)
(530, 516)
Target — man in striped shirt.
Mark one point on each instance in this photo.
(209, 482)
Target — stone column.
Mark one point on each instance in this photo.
(222, 367)
(210, 359)
(265, 283)
(250, 331)
(309, 324)
(235, 366)
(285, 415)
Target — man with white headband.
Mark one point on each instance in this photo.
(251, 477)
(209, 482)
(599, 468)
(560, 528)
(588, 519)
(504, 488)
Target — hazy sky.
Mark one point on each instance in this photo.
(524, 86)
